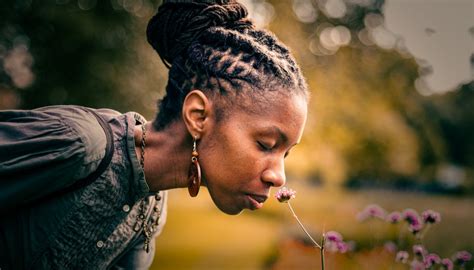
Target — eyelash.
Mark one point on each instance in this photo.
(264, 147)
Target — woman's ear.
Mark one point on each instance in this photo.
(196, 108)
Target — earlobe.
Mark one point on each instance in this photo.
(195, 111)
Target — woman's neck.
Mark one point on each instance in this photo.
(167, 155)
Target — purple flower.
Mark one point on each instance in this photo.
(284, 194)
(430, 216)
(416, 227)
(411, 216)
(447, 264)
(394, 217)
(339, 246)
(333, 236)
(333, 242)
(402, 256)
(342, 247)
(462, 257)
(432, 259)
(371, 211)
(419, 250)
(414, 222)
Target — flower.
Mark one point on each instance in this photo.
(394, 217)
(402, 256)
(414, 222)
(284, 194)
(333, 242)
(342, 247)
(333, 236)
(416, 227)
(432, 259)
(419, 250)
(462, 257)
(371, 211)
(430, 216)
(447, 264)
(411, 216)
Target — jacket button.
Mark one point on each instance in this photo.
(100, 244)
(126, 208)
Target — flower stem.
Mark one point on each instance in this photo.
(421, 235)
(322, 251)
(305, 231)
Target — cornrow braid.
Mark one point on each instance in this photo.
(223, 55)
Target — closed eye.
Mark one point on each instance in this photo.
(264, 147)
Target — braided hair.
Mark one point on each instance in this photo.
(211, 45)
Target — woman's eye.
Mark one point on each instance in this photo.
(263, 146)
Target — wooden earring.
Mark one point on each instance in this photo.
(194, 173)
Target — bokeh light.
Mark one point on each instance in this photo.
(305, 11)
(260, 11)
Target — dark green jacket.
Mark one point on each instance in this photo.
(48, 149)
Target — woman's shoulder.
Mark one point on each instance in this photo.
(84, 123)
(47, 149)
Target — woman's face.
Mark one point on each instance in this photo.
(243, 154)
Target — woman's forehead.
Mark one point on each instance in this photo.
(284, 117)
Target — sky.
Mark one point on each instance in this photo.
(439, 33)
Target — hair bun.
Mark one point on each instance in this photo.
(179, 22)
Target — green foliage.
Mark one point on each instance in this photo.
(367, 121)
(455, 118)
(76, 52)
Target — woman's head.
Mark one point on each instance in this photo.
(212, 46)
(245, 81)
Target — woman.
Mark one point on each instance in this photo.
(84, 188)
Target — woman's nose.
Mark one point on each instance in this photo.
(275, 175)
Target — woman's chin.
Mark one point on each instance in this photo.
(232, 212)
(227, 208)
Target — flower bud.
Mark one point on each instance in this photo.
(284, 194)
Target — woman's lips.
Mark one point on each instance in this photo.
(256, 201)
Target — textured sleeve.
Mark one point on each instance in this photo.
(45, 150)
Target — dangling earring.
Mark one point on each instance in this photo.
(194, 174)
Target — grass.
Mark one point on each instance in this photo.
(199, 236)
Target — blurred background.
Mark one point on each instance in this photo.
(391, 119)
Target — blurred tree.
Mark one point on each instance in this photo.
(456, 119)
(71, 52)
(367, 120)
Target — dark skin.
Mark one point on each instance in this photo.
(241, 156)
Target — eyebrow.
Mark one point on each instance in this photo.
(280, 133)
